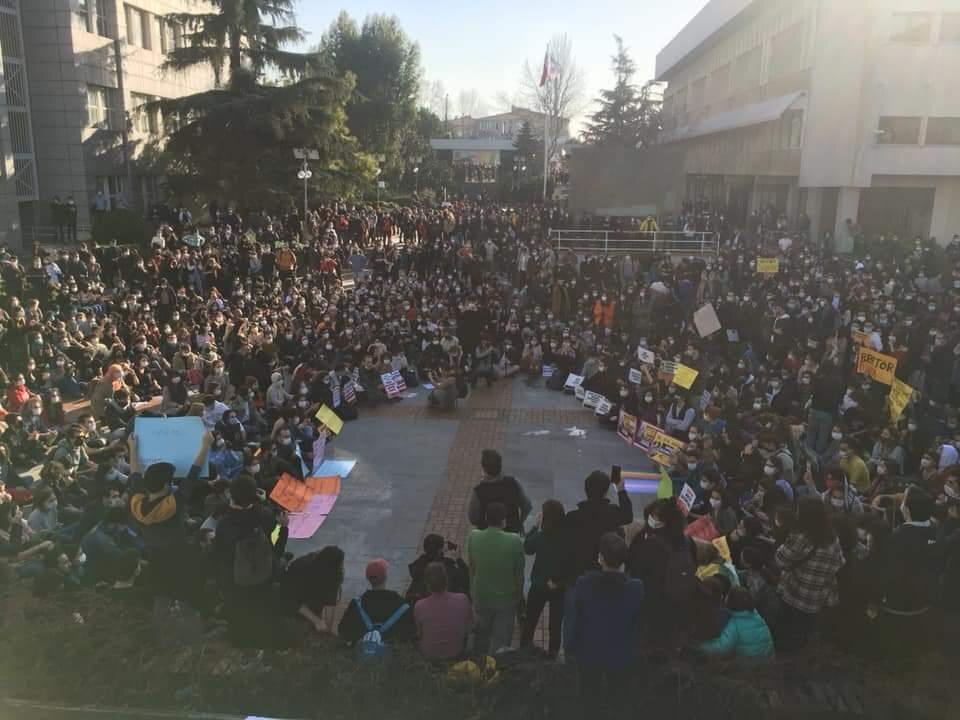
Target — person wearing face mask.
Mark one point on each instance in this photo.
(826, 395)
(887, 447)
(839, 495)
(277, 395)
(852, 464)
(680, 417)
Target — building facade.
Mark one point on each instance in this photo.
(840, 110)
(90, 68)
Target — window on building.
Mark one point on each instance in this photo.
(144, 119)
(112, 187)
(94, 15)
(150, 191)
(786, 50)
(102, 108)
(720, 84)
(791, 130)
(899, 130)
(943, 131)
(138, 27)
(748, 69)
(698, 93)
(950, 27)
(912, 27)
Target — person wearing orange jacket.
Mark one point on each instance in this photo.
(604, 311)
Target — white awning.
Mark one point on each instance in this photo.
(756, 114)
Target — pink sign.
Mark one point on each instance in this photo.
(304, 524)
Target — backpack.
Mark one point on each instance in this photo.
(253, 560)
(507, 491)
(372, 643)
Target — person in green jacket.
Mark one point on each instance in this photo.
(745, 635)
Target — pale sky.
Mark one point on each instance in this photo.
(482, 45)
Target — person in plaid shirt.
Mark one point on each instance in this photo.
(809, 560)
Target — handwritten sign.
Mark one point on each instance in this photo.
(686, 499)
(881, 368)
(685, 376)
(646, 356)
(900, 394)
(768, 265)
(636, 377)
(330, 419)
(646, 435)
(591, 399)
(604, 407)
(664, 447)
(627, 427)
(573, 381)
(171, 440)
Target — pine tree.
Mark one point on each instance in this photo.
(530, 148)
(628, 116)
(235, 142)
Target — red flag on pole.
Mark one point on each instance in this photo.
(545, 75)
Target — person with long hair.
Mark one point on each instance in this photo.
(312, 584)
(809, 561)
(549, 541)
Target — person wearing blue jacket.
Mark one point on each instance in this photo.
(745, 635)
(603, 616)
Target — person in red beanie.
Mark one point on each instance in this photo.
(379, 604)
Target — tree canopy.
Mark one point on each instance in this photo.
(628, 116)
(531, 148)
(235, 142)
(385, 65)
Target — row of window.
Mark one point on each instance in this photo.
(919, 27)
(900, 130)
(114, 189)
(144, 29)
(103, 111)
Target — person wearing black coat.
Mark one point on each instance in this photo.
(593, 518)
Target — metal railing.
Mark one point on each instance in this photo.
(636, 242)
(49, 235)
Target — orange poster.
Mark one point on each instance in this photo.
(291, 494)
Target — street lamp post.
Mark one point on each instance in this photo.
(306, 155)
(416, 179)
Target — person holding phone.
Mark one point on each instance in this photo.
(596, 516)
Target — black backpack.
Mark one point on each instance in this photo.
(506, 491)
(253, 560)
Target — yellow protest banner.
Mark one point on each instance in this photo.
(859, 338)
(768, 265)
(880, 367)
(329, 418)
(685, 376)
(720, 544)
(663, 448)
(900, 394)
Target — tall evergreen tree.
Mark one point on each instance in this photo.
(235, 142)
(530, 147)
(628, 116)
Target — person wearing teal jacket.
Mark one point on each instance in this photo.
(745, 635)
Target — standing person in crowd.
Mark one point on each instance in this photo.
(497, 488)
(595, 517)
(549, 542)
(496, 562)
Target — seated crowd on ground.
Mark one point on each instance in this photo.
(839, 518)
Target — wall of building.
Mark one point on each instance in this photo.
(64, 58)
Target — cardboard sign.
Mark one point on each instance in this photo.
(646, 356)
(860, 339)
(646, 435)
(172, 440)
(627, 427)
(667, 369)
(573, 381)
(881, 368)
(604, 407)
(330, 419)
(685, 376)
(768, 265)
(304, 524)
(591, 399)
(686, 499)
(393, 384)
(706, 321)
(900, 394)
(636, 377)
(664, 447)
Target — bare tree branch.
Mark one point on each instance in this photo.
(470, 104)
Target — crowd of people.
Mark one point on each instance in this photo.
(841, 519)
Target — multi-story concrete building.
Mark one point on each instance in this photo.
(90, 67)
(839, 109)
